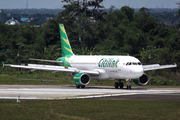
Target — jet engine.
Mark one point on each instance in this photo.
(143, 80)
(81, 79)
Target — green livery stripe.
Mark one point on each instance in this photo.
(62, 28)
(67, 59)
(65, 40)
(69, 50)
(65, 45)
(76, 78)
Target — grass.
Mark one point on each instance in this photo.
(47, 78)
(79, 109)
(36, 77)
(90, 109)
(43, 78)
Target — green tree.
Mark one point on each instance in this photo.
(144, 20)
(50, 32)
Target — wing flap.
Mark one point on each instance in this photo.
(157, 66)
(46, 66)
(150, 66)
(57, 69)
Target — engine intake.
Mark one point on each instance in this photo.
(143, 80)
(81, 79)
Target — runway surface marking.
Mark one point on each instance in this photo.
(65, 92)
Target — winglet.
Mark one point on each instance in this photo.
(175, 64)
(3, 64)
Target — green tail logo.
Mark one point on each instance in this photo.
(65, 45)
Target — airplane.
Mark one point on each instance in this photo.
(99, 67)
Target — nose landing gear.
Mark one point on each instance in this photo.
(128, 83)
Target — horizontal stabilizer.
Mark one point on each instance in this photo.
(43, 60)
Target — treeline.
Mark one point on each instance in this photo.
(115, 32)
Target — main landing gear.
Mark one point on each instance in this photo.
(119, 84)
(78, 86)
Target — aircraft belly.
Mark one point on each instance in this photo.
(115, 75)
(118, 73)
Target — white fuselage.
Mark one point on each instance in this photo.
(110, 67)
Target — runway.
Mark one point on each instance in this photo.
(51, 92)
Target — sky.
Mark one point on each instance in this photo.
(50, 4)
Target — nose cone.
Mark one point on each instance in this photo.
(140, 71)
(137, 71)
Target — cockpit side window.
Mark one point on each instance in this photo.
(139, 63)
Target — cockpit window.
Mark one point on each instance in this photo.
(133, 63)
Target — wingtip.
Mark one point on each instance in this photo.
(3, 65)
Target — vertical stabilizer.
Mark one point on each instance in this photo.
(65, 45)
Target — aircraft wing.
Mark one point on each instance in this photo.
(43, 60)
(157, 66)
(53, 68)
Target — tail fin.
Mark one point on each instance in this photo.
(65, 45)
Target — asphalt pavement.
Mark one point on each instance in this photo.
(54, 92)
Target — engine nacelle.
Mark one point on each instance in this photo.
(81, 79)
(143, 80)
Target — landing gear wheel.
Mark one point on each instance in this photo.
(116, 85)
(121, 85)
(77, 86)
(82, 86)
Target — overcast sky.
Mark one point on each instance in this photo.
(6, 4)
